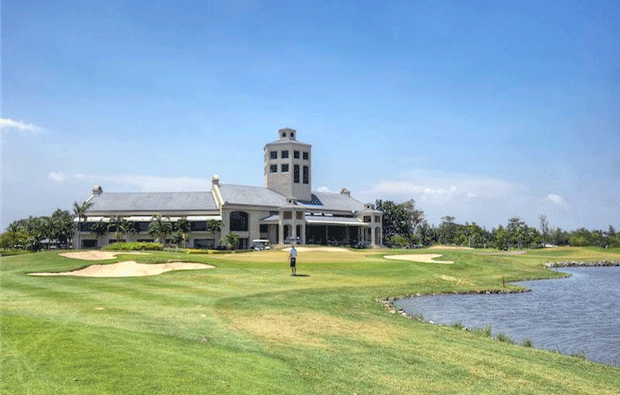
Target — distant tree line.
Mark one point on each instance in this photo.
(405, 226)
(35, 233)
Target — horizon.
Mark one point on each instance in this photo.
(482, 111)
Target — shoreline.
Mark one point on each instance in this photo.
(551, 265)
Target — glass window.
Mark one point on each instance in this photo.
(284, 154)
(239, 221)
(287, 215)
(264, 228)
(285, 168)
(306, 156)
(273, 168)
(377, 218)
(296, 154)
(296, 174)
(198, 226)
(367, 218)
(273, 154)
(306, 175)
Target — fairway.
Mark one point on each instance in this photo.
(246, 326)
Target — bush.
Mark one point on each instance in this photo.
(134, 246)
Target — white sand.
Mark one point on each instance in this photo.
(128, 269)
(425, 258)
(96, 255)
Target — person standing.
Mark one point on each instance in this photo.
(293, 259)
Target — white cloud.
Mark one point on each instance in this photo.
(429, 185)
(9, 124)
(57, 177)
(557, 200)
(151, 183)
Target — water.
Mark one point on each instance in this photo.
(576, 315)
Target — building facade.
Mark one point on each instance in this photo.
(284, 211)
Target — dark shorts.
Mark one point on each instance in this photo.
(293, 262)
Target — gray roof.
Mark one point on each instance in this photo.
(251, 196)
(333, 201)
(153, 201)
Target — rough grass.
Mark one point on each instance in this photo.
(248, 327)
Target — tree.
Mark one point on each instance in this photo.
(544, 228)
(63, 226)
(160, 228)
(447, 230)
(395, 221)
(231, 239)
(79, 210)
(119, 226)
(214, 225)
(414, 216)
(183, 226)
(100, 229)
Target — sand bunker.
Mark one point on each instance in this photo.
(128, 269)
(322, 249)
(425, 258)
(95, 255)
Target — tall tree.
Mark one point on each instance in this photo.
(183, 226)
(79, 210)
(160, 227)
(544, 228)
(100, 229)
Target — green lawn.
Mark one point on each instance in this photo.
(248, 327)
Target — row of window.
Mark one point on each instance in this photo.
(284, 155)
(285, 169)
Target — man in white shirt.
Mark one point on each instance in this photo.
(293, 259)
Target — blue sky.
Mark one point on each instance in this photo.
(477, 110)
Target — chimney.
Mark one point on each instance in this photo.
(216, 180)
(97, 190)
(346, 192)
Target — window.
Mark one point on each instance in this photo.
(285, 168)
(287, 215)
(296, 174)
(284, 154)
(306, 175)
(263, 228)
(204, 243)
(283, 134)
(296, 154)
(367, 218)
(141, 226)
(198, 226)
(306, 156)
(273, 168)
(273, 154)
(300, 215)
(377, 218)
(239, 221)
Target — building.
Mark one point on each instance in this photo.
(284, 211)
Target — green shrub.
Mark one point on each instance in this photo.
(134, 246)
(502, 337)
(527, 343)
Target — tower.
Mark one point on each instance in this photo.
(288, 163)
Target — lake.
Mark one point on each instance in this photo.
(579, 314)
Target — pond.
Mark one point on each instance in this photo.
(575, 315)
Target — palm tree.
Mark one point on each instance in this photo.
(79, 210)
(184, 227)
(160, 228)
(100, 229)
(120, 226)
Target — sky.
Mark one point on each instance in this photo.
(480, 110)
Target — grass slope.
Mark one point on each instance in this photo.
(248, 327)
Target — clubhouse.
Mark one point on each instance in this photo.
(284, 211)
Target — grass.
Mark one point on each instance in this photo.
(248, 327)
